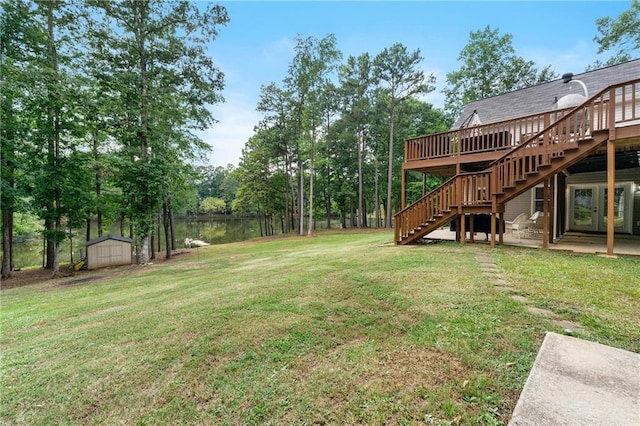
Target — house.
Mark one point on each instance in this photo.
(108, 250)
(557, 148)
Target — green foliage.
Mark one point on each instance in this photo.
(490, 67)
(26, 224)
(213, 205)
(399, 71)
(621, 33)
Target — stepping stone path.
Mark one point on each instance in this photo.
(492, 272)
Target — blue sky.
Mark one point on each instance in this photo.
(256, 47)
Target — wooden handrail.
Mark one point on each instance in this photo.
(499, 136)
(561, 129)
(466, 188)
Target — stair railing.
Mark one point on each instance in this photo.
(465, 189)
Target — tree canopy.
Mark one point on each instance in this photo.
(490, 66)
(620, 34)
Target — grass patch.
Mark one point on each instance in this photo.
(340, 328)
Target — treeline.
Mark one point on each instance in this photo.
(330, 143)
(101, 101)
(100, 104)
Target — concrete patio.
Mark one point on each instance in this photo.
(571, 241)
(577, 382)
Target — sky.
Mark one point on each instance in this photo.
(256, 47)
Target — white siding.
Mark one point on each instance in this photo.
(520, 204)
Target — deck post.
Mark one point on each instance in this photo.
(402, 189)
(501, 228)
(471, 228)
(463, 231)
(545, 214)
(552, 209)
(611, 191)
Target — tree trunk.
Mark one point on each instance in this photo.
(55, 266)
(50, 249)
(7, 244)
(159, 219)
(387, 218)
(167, 229)
(310, 227)
(376, 196)
(286, 227)
(327, 197)
(301, 198)
(98, 187)
(152, 244)
(172, 225)
(143, 256)
(360, 146)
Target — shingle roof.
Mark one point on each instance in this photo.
(540, 98)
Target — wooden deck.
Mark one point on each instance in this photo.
(530, 151)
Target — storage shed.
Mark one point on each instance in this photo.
(108, 250)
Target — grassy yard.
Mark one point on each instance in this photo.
(341, 328)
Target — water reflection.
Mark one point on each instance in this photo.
(213, 230)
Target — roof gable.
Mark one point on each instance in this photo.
(108, 237)
(542, 97)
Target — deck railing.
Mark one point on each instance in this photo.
(559, 131)
(614, 106)
(506, 135)
(465, 189)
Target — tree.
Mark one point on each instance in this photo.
(621, 33)
(277, 104)
(152, 62)
(19, 38)
(398, 69)
(213, 205)
(308, 74)
(357, 84)
(52, 105)
(490, 66)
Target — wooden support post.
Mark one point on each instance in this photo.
(611, 191)
(463, 231)
(545, 214)
(552, 210)
(471, 228)
(424, 184)
(402, 189)
(501, 229)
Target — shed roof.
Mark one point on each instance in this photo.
(542, 97)
(108, 237)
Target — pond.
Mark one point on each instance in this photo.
(213, 230)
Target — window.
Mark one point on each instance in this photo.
(538, 198)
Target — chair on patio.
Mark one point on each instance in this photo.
(533, 225)
(517, 225)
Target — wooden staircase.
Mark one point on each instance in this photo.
(567, 137)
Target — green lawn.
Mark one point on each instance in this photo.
(339, 328)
